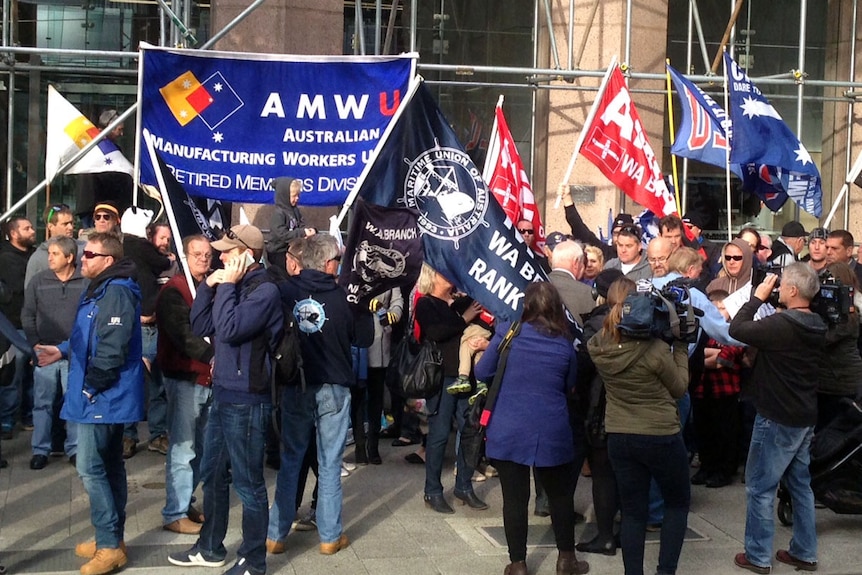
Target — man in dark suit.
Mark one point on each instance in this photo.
(568, 269)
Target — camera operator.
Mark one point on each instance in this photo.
(784, 389)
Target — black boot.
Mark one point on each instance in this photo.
(568, 564)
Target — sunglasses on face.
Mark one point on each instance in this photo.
(103, 216)
(91, 255)
(728, 258)
(525, 231)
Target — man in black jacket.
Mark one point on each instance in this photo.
(784, 389)
(328, 330)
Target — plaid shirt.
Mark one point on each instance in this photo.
(724, 380)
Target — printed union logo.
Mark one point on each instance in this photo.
(447, 189)
(213, 100)
(310, 315)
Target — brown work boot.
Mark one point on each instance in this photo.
(87, 549)
(568, 564)
(130, 447)
(275, 547)
(105, 561)
(335, 546)
(183, 525)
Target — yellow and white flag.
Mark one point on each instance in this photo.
(68, 132)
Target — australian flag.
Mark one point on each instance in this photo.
(383, 251)
(465, 233)
(775, 161)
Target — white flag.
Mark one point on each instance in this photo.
(68, 132)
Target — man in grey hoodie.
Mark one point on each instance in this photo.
(286, 223)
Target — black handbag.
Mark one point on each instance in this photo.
(415, 368)
(478, 415)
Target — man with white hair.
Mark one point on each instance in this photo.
(568, 269)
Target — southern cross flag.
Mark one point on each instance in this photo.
(702, 135)
(465, 233)
(760, 137)
(213, 100)
(68, 132)
(383, 251)
(617, 144)
(509, 182)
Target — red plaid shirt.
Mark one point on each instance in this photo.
(723, 381)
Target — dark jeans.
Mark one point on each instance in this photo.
(636, 459)
(233, 454)
(444, 407)
(515, 485)
(374, 396)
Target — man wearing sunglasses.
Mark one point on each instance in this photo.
(239, 309)
(105, 391)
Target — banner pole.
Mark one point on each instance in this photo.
(727, 154)
(583, 135)
(411, 91)
(493, 147)
(672, 137)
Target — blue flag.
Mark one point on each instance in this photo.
(465, 233)
(701, 135)
(775, 160)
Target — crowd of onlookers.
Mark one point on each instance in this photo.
(111, 328)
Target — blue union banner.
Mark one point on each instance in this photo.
(227, 124)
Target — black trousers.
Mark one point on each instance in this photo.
(515, 484)
(717, 428)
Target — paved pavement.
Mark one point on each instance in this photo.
(45, 513)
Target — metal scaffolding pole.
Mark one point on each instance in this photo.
(551, 34)
(570, 51)
(848, 156)
(800, 74)
(694, 13)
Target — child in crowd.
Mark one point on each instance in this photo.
(468, 355)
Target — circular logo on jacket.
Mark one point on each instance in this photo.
(310, 315)
(447, 189)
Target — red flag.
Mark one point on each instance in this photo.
(617, 144)
(510, 185)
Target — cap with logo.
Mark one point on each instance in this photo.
(694, 219)
(556, 238)
(621, 220)
(818, 234)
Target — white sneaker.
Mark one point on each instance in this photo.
(345, 469)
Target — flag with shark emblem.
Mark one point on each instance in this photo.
(465, 233)
(766, 147)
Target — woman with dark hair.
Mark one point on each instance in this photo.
(841, 367)
(530, 425)
(643, 379)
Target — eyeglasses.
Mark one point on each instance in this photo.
(201, 256)
(293, 255)
(336, 258)
(103, 216)
(90, 255)
(660, 260)
(525, 231)
(229, 233)
(729, 258)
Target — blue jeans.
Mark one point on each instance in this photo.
(636, 459)
(439, 426)
(46, 381)
(328, 408)
(19, 394)
(233, 453)
(103, 471)
(778, 452)
(656, 503)
(188, 412)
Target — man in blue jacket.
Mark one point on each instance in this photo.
(105, 391)
(239, 308)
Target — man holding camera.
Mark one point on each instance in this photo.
(784, 390)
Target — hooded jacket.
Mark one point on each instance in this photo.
(785, 373)
(641, 271)
(286, 223)
(104, 351)
(643, 379)
(244, 321)
(327, 327)
(725, 281)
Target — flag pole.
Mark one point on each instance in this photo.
(672, 136)
(851, 177)
(335, 221)
(727, 153)
(169, 210)
(583, 135)
(493, 147)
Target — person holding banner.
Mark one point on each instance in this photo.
(286, 223)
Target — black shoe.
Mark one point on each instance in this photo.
(542, 512)
(403, 442)
(38, 462)
(273, 461)
(3, 464)
(374, 456)
(719, 480)
(470, 500)
(360, 455)
(596, 546)
(701, 477)
(391, 432)
(438, 504)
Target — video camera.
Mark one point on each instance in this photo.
(665, 314)
(833, 302)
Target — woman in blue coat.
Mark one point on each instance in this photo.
(530, 424)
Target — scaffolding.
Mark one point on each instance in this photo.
(556, 23)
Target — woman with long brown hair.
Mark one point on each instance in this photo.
(530, 424)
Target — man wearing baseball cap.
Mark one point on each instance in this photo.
(785, 250)
(816, 257)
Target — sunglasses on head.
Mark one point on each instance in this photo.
(630, 229)
(54, 210)
(229, 234)
(729, 258)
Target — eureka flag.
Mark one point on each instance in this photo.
(465, 233)
(510, 185)
(68, 132)
(383, 251)
(760, 137)
(617, 144)
(228, 123)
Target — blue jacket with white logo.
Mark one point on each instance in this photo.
(104, 351)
